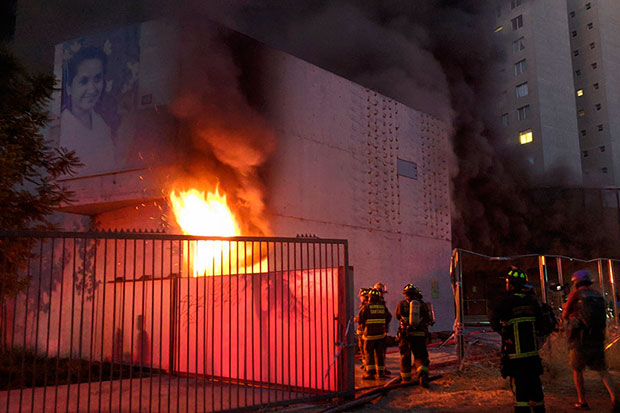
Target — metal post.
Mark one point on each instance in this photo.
(458, 297)
(613, 290)
(542, 270)
(600, 276)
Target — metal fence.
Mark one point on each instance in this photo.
(152, 322)
(479, 280)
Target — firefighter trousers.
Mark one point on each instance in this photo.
(415, 345)
(374, 352)
(528, 393)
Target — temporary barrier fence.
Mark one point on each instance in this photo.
(478, 281)
(154, 322)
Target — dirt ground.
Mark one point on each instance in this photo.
(480, 388)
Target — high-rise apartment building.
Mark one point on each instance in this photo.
(594, 33)
(537, 99)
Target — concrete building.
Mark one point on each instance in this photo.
(537, 101)
(559, 92)
(595, 51)
(349, 163)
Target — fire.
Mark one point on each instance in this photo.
(208, 214)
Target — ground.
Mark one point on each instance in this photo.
(480, 387)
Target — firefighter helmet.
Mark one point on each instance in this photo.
(364, 292)
(581, 277)
(373, 292)
(412, 290)
(381, 288)
(516, 277)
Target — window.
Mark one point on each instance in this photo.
(523, 112)
(602, 148)
(585, 154)
(590, 26)
(516, 3)
(576, 52)
(572, 14)
(522, 90)
(600, 128)
(588, 6)
(580, 92)
(573, 33)
(505, 119)
(518, 45)
(581, 112)
(517, 22)
(578, 72)
(604, 169)
(592, 45)
(598, 106)
(520, 67)
(595, 86)
(583, 132)
(525, 136)
(594, 65)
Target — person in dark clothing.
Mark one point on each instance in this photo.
(517, 318)
(363, 301)
(373, 320)
(584, 311)
(415, 317)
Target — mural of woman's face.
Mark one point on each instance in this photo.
(85, 88)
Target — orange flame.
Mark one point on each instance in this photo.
(210, 215)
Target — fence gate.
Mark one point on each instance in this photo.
(152, 322)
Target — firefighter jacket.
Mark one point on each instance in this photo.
(415, 324)
(517, 318)
(373, 320)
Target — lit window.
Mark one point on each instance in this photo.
(581, 112)
(600, 128)
(517, 22)
(520, 67)
(499, 29)
(505, 119)
(595, 86)
(572, 14)
(594, 65)
(583, 132)
(523, 112)
(598, 106)
(602, 148)
(578, 72)
(590, 26)
(518, 45)
(525, 136)
(585, 154)
(588, 6)
(592, 45)
(522, 90)
(574, 33)
(580, 92)
(575, 53)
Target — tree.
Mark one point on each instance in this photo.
(29, 165)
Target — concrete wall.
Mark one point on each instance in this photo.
(334, 174)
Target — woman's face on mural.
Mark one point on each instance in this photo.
(85, 88)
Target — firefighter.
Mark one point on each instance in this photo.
(415, 317)
(518, 318)
(373, 320)
(360, 343)
(382, 291)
